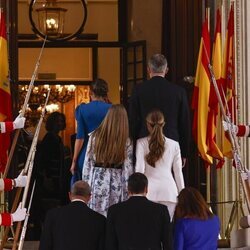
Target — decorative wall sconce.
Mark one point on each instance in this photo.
(51, 20)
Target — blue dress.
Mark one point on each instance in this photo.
(196, 234)
(89, 117)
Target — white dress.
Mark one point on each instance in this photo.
(162, 185)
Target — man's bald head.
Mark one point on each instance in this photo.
(80, 190)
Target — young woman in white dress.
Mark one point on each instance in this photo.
(159, 158)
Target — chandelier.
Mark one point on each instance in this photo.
(58, 93)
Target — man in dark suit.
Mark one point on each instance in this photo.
(75, 226)
(138, 224)
(170, 99)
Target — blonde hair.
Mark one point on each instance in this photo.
(155, 123)
(111, 137)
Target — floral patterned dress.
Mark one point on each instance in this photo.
(108, 185)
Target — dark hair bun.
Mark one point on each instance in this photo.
(56, 121)
(99, 88)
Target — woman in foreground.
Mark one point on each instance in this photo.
(196, 227)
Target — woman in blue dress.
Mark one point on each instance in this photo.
(108, 162)
(89, 117)
(196, 227)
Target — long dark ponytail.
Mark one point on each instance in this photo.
(155, 123)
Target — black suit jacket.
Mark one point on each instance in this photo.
(138, 224)
(73, 227)
(158, 93)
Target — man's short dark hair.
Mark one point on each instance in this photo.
(80, 188)
(137, 183)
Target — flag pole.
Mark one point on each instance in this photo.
(208, 169)
(25, 223)
(12, 150)
(25, 105)
(232, 136)
(28, 171)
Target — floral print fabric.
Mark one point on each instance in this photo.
(108, 185)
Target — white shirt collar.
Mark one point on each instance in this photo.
(78, 200)
(142, 195)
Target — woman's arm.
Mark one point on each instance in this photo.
(77, 149)
(88, 162)
(177, 168)
(140, 157)
(127, 170)
(80, 135)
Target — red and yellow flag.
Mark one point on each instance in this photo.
(5, 97)
(213, 148)
(228, 75)
(200, 100)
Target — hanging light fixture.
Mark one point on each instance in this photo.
(58, 94)
(51, 19)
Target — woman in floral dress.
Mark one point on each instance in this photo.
(108, 161)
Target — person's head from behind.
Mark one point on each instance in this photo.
(191, 204)
(80, 190)
(98, 89)
(155, 123)
(56, 122)
(157, 65)
(111, 137)
(137, 184)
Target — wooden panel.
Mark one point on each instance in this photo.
(180, 43)
(144, 23)
(69, 111)
(67, 64)
(11, 20)
(181, 36)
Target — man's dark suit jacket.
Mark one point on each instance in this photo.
(138, 224)
(171, 100)
(73, 227)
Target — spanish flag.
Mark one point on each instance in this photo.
(200, 99)
(5, 97)
(228, 75)
(213, 148)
